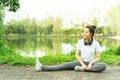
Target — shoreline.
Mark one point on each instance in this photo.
(110, 37)
(114, 37)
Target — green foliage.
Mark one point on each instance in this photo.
(27, 27)
(72, 31)
(1, 20)
(117, 51)
(113, 51)
(104, 30)
(12, 5)
(66, 31)
(110, 59)
(15, 59)
(111, 56)
(49, 29)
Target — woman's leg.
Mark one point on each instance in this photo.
(63, 66)
(98, 67)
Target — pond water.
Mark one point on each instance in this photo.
(41, 46)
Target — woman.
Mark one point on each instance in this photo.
(85, 51)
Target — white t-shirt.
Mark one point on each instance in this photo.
(88, 51)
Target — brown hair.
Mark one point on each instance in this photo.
(91, 29)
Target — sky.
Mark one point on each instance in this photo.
(74, 10)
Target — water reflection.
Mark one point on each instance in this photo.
(41, 46)
(37, 53)
(103, 48)
(67, 48)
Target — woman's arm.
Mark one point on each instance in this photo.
(77, 55)
(97, 58)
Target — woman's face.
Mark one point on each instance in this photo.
(86, 33)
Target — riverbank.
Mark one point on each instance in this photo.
(114, 37)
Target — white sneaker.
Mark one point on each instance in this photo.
(78, 68)
(38, 65)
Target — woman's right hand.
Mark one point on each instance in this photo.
(84, 67)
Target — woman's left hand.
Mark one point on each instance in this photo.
(89, 67)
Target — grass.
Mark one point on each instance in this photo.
(111, 56)
(57, 59)
(16, 59)
(111, 59)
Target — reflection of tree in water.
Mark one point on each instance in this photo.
(109, 43)
(70, 40)
(49, 43)
(66, 40)
(18, 42)
(45, 42)
(30, 43)
(34, 44)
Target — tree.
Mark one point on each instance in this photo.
(11, 5)
(49, 29)
(113, 17)
(57, 25)
(1, 20)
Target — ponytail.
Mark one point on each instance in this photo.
(91, 29)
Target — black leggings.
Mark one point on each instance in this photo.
(97, 67)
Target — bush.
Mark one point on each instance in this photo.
(117, 51)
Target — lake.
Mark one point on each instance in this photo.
(41, 46)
